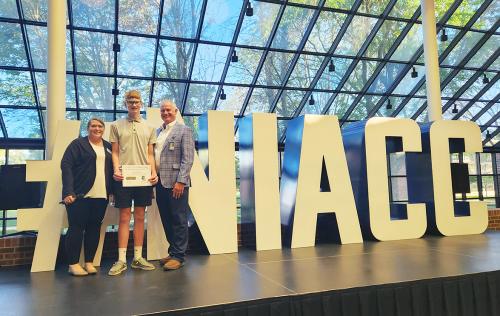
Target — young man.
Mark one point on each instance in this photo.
(132, 141)
(174, 153)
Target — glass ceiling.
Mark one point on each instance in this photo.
(352, 58)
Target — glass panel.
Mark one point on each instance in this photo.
(281, 128)
(38, 39)
(386, 35)
(256, 29)
(463, 48)
(397, 163)
(292, 27)
(95, 92)
(200, 98)
(384, 111)
(143, 20)
(364, 106)
(373, 7)
(133, 61)
(470, 160)
(22, 123)
(9, 9)
(274, 68)
(475, 87)
(330, 80)
(261, 100)
(386, 78)
(16, 88)
(181, 18)
(174, 59)
(325, 31)
(168, 90)
(456, 83)
(19, 156)
(464, 12)
(489, 114)
(305, 69)
(234, 99)
(94, 14)
(320, 101)
(2, 153)
(339, 4)
(407, 84)
(488, 18)
(485, 52)
(412, 41)
(35, 10)
(220, 20)
(360, 75)
(472, 110)
(192, 121)
(448, 114)
(399, 189)
(243, 71)
(209, 62)
(124, 85)
(488, 186)
(474, 190)
(94, 52)
(12, 51)
(410, 108)
(486, 163)
(355, 35)
(404, 8)
(309, 2)
(288, 102)
(423, 117)
(41, 82)
(492, 92)
(341, 104)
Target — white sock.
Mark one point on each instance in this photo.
(122, 254)
(137, 252)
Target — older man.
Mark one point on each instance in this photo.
(174, 152)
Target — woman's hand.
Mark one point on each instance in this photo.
(69, 199)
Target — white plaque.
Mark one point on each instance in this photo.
(136, 175)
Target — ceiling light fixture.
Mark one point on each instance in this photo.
(311, 100)
(414, 73)
(234, 57)
(486, 80)
(249, 10)
(443, 36)
(454, 110)
(222, 94)
(331, 67)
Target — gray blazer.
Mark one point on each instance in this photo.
(177, 156)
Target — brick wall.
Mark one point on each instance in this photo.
(494, 219)
(17, 250)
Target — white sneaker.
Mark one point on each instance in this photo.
(117, 268)
(143, 264)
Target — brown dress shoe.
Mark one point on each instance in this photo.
(165, 260)
(172, 264)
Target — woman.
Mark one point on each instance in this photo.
(87, 174)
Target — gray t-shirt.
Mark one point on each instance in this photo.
(133, 138)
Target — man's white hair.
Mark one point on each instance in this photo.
(167, 101)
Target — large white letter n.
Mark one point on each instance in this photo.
(213, 194)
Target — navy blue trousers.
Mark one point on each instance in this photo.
(174, 217)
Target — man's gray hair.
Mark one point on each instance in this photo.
(168, 101)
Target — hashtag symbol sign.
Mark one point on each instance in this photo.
(50, 219)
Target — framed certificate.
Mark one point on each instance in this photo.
(136, 175)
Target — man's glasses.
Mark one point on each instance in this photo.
(133, 102)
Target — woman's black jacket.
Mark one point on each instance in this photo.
(78, 168)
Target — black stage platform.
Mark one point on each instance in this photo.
(429, 276)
